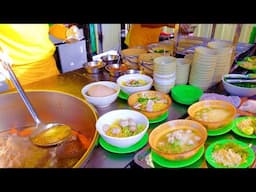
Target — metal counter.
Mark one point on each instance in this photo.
(72, 83)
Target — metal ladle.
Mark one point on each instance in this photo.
(45, 134)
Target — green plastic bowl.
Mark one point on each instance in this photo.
(186, 94)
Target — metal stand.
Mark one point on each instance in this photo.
(177, 35)
(235, 41)
(176, 38)
(213, 31)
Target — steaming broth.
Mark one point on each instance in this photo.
(178, 141)
(212, 114)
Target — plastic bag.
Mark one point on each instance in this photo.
(248, 106)
(73, 34)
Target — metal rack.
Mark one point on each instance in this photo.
(177, 35)
(235, 41)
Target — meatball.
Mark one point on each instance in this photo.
(123, 122)
(132, 128)
(116, 131)
(131, 122)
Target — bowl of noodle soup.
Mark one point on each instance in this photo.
(178, 139)
(151, 103)
(213, 114)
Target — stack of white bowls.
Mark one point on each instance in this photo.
(182, 71)
(164, 73)
(203, 67)
(223, 62)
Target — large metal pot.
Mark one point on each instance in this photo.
(51, 106)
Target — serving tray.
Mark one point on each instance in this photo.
(143, 158)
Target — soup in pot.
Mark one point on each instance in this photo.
(17, 151)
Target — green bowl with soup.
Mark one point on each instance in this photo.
(178, 139)
(213, 114)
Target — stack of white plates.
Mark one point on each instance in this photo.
(223, 62)
(203, 67)
(182, 71)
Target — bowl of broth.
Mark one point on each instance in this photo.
(178, 139)
(151, 103)
(213, 114)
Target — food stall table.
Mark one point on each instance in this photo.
(72, 83)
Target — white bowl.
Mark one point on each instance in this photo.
(236, 90)
(164, 81)
(164, 88)
(101, 101)
(164, 65)
(205, 51)
(130, 89)
(167, 76)
(112, 116)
